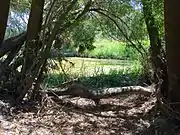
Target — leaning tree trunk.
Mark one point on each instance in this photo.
(9, 48)
(3, 18)
(156, 50)
(29, 71)
(35, 54)
(172, 34)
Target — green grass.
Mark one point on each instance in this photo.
(119, 66)
(112, 49)
(97, 73)
(92, 66)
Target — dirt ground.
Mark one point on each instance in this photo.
(123, 115)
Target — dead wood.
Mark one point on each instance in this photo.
(79, 90)
(108, 92)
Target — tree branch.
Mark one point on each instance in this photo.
(12, 43)
(117, 25)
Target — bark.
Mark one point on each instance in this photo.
(34, 61)
(36, 58)
(35, 53)
(172, 30)
(12, 43)
(57, 26)
(36, 95)
(3, 18)
(158, 64)
(75, 89)
(33, 32)
(31, 49)
(155, 42)
(9, 75)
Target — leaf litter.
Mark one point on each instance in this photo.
(121, 115)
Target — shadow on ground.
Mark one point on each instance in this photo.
(128, 114)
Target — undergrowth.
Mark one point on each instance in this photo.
(114, 78)
(112, 49)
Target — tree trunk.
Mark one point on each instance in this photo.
(158, 64)
(3, 18)
(33, 31)
(29, 71)
(35, 54)
(12, 43)
(172, 29)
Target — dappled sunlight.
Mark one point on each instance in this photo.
(90, 66)
(118, 115)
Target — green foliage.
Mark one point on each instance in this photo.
(52, 80)
(137, 26)
(158, 12)
(128, 17)
(112, 49)
(20, 6)
(114, 78)
(83, 36)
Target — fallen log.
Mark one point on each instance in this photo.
(79, 90)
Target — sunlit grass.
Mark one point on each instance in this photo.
(119, 66)
(112, 49)
(115, 49)
(96, 72)
(91, 66)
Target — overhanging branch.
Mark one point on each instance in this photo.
(117, 25)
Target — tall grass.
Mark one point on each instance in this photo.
(102, 72)
(99, 78)
(112, 49)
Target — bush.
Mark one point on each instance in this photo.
(113, 50)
